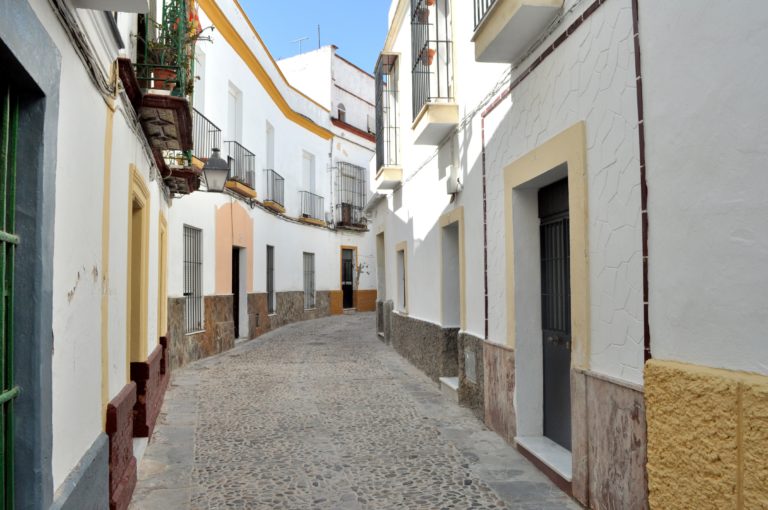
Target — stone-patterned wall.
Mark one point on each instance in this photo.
(218, 336)
(609, 443)
(429, 347)
(471, 393)
(707, 437)
(122, 463)
(379, 317)
(290, 307)
(259, 320)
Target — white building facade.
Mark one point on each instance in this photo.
(515, 228)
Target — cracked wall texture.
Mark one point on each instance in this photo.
(590, 77)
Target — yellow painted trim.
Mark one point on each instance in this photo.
(197, 163)
(568, 147)
(162, 277)
(402, 246)
(138, 194)
(449, 218)
(240, 189)
(235, 40)
(105, 217)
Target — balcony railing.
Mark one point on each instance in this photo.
(206, 136)
(166, 49)
(275, 187)
(387, 129)
(351, 194)
(311, 205)
(243, 164)
(431, 53)
(481, 9)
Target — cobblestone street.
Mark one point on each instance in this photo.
(321, 414)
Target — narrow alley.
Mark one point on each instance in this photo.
(321, 414)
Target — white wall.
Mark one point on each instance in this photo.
(705, 110)
(80, 277)
(601, 91)
(310, 72)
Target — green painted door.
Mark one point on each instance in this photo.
(9, 116)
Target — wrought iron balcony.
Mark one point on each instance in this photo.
(481, 9)
(166, 49)
(311, 207)
(431, 50)
(275, 188)
(206, 136)
(387, 128)
(242, 163)
(351, 194)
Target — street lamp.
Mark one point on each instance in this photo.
(216, 172)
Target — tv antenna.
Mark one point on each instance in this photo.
(300, 40)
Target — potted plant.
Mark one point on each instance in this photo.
(427, 55)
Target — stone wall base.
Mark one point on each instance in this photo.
(471, 391)
(499, 388)
(87, 485)
(608, 443)
(431, 348)
(122, 463)
(151, 382)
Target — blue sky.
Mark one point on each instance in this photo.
(357, 27)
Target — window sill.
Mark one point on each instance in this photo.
(196, 332)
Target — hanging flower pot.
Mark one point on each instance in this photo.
(423, 15)
(430, 2)
(427, 55)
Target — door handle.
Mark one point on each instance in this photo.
(559, 341)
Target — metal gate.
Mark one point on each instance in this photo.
(9, 116)
(556, 311)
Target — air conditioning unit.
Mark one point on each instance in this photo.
(453, 183)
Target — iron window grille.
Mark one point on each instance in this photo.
(243, 164)
(275, 187)
(9, 239)
(351, 194)
(311, 205)
(431, 52)
(387, 125)
(271, 279)
(206, 136)
(309, 281)
(193, 279)
(481, 9)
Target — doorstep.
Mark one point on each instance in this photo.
(449, 386)
(556, 461)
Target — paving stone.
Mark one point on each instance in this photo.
(322, 415)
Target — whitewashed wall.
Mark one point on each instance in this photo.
(310, 72)
(79, 276)
(600, 91)
(705, 113)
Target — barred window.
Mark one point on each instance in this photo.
(193, 278)
(309, 280)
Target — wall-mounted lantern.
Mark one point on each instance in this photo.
(216, 172)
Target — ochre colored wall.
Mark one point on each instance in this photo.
(336, 302)
(707, 437)
(365, 300)
(234, 227)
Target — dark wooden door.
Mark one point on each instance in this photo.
(236, 290)
(556, 311)
(347, 277)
